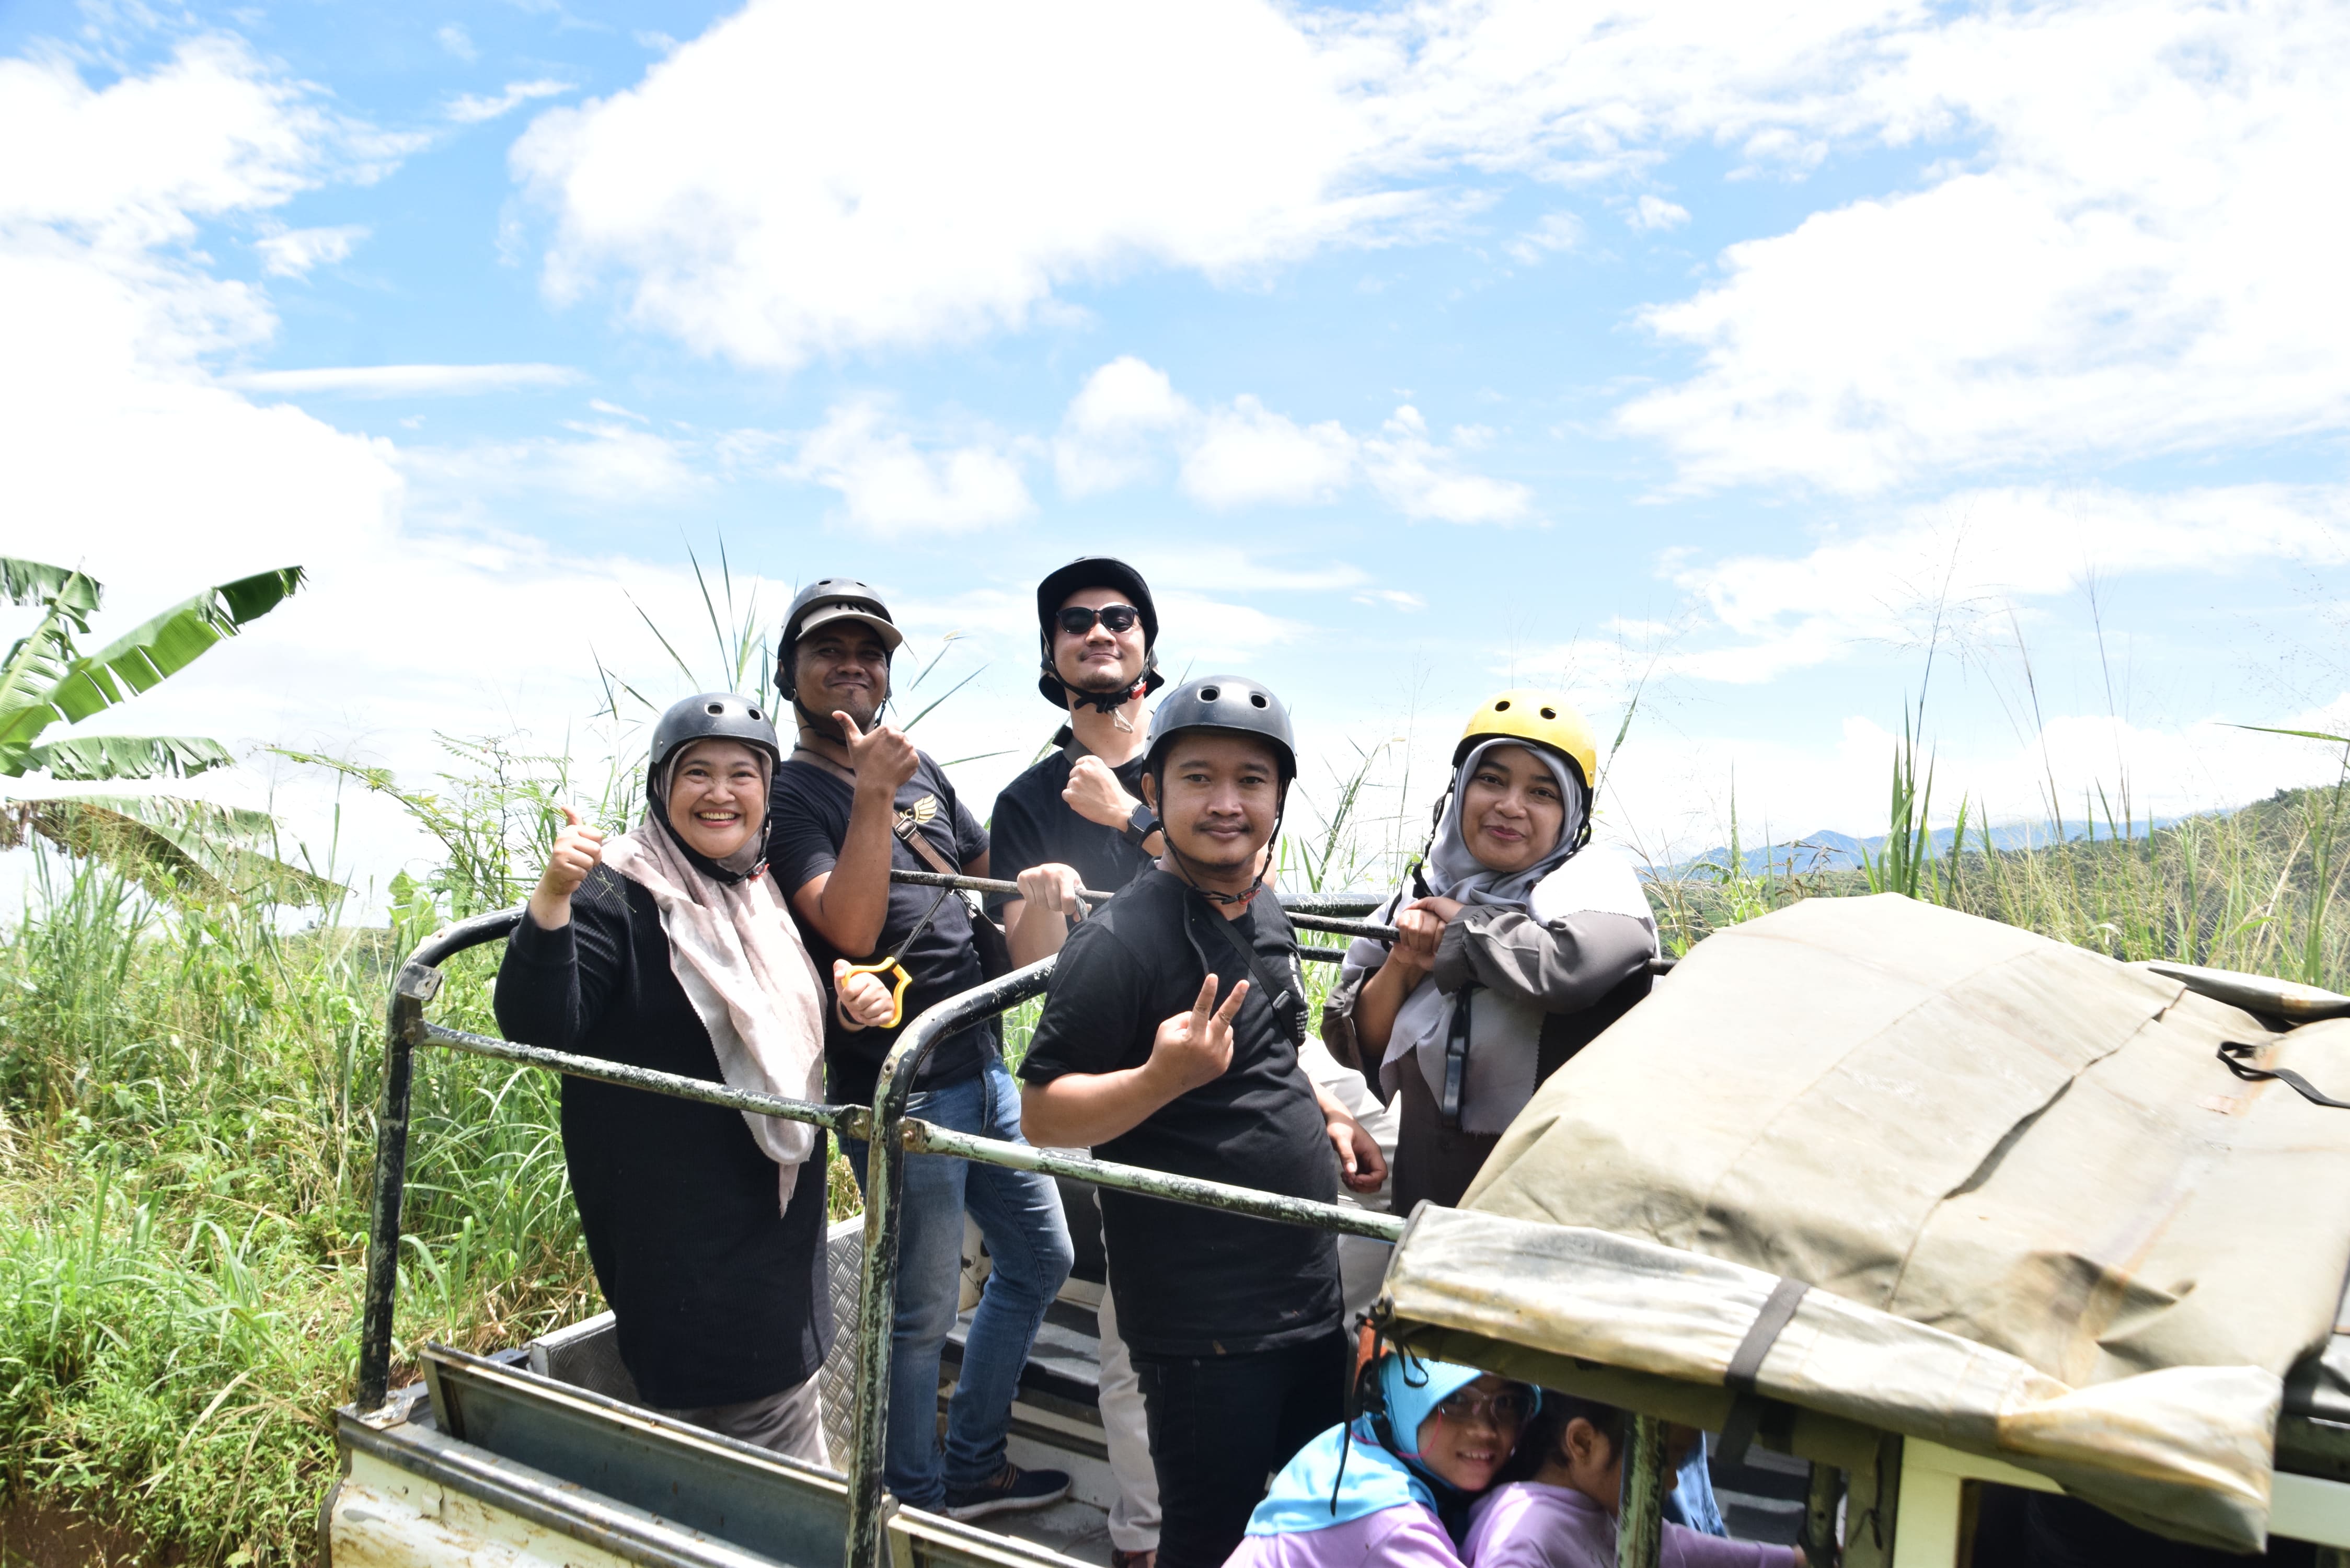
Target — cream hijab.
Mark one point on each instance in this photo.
(735, 952)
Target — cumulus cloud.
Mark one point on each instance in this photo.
(120, 453)
(2117, 256)
(1964, 562)
(2133, 264)
(783, 186)
(890, 485)
(1127, 423)
(453, 38)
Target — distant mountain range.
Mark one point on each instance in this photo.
(1828, 850)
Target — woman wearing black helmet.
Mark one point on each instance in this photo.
(667, 948)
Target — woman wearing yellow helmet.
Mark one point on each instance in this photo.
(1517, 945)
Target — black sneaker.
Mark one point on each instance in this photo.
(1011, 1490)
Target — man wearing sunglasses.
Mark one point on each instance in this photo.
(1076, 819)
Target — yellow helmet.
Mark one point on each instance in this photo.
(1525, 714)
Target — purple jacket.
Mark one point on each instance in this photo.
(1406, 1536)
(1529, 1525)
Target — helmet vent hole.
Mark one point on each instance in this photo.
(1209, 693)
(714, 708)
(1503, 706)
(756, 714)
(1550, 712)
(1257, 699)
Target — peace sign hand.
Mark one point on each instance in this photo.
(1195, 1047)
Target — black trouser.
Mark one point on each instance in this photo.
(1220, 1425)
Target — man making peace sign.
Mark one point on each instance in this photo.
(1169, 1039)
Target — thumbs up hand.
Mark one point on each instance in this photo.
(579, 849)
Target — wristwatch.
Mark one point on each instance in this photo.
(1139, 826)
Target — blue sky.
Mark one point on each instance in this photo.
(1699, 350)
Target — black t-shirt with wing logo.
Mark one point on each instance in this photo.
(807, 819)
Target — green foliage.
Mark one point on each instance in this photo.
(176, 848)
(189, 1101)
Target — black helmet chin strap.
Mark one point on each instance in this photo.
(1256, 884)
(1103, 701)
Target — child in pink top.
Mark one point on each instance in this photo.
(1565, 1517)
(1374, 1493)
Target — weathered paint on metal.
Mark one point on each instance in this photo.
(923, 1138)
(885, 1164)
(849, 1120)
(1817, 1537)
(403, 1018)
(1641, 1519)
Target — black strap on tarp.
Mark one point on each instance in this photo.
(2232, 1051)
(1746, 1367)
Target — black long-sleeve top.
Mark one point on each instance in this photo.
(718, 1298)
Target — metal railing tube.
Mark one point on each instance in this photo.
(1648, 1477)
(403, 1021)
(921, 1137)
(850, 1121)
(885, 1165)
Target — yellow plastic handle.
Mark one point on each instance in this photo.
(896, 992)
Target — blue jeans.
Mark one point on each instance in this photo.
(1019, 1215)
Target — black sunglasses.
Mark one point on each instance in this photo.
(1077, 620)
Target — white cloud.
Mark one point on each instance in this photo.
(1391, 599)
(2134, 263)
(1127, 423)
(892, 486)
(292, 253)
(1654, 213)
(453, 38)
(1756, 617)
(136, 165)
(598, 465)
(119, 454)
(1113, 431)
(781, 188)
(473, 109)
(406, 381)
(1244, 454)
(1413, 474)
(1556, 232)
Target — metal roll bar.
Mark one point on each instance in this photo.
(890, 1134)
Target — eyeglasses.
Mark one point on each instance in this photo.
(1077, 620)
(1505, 1407)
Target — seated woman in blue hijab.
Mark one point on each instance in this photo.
(1392, 1487)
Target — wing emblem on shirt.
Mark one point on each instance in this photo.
(922, 811)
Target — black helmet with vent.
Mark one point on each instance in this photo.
(714, 715)
(1232, 703)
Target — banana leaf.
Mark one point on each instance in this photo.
(43, 681)
(183, 849)
(91, 758)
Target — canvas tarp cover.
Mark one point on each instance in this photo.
(2042, 1221)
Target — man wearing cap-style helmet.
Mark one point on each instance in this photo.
(854, 800)
(1076, 818)
(1170, 1040)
